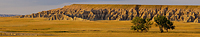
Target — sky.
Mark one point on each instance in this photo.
(26, 7)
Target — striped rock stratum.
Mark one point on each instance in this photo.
(184, 13)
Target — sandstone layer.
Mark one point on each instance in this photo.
(184, 13)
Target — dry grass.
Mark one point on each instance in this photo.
(102, 28)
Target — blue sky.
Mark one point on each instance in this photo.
(34, 6)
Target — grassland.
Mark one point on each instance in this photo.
(101, 28)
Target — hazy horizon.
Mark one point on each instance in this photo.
(34, 6)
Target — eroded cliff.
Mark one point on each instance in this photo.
(185, 13)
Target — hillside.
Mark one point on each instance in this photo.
(7, 15)
(183, 13)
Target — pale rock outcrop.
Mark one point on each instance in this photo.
(197, 20)
(60, 17)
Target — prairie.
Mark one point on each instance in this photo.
(100, 28)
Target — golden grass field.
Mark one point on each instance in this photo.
(101, 28)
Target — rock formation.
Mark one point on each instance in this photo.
(186, 13)
(8, 15)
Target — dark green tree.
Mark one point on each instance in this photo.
(140, 24)
(148, 23)
(162, 22)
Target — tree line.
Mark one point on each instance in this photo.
(143, 25)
